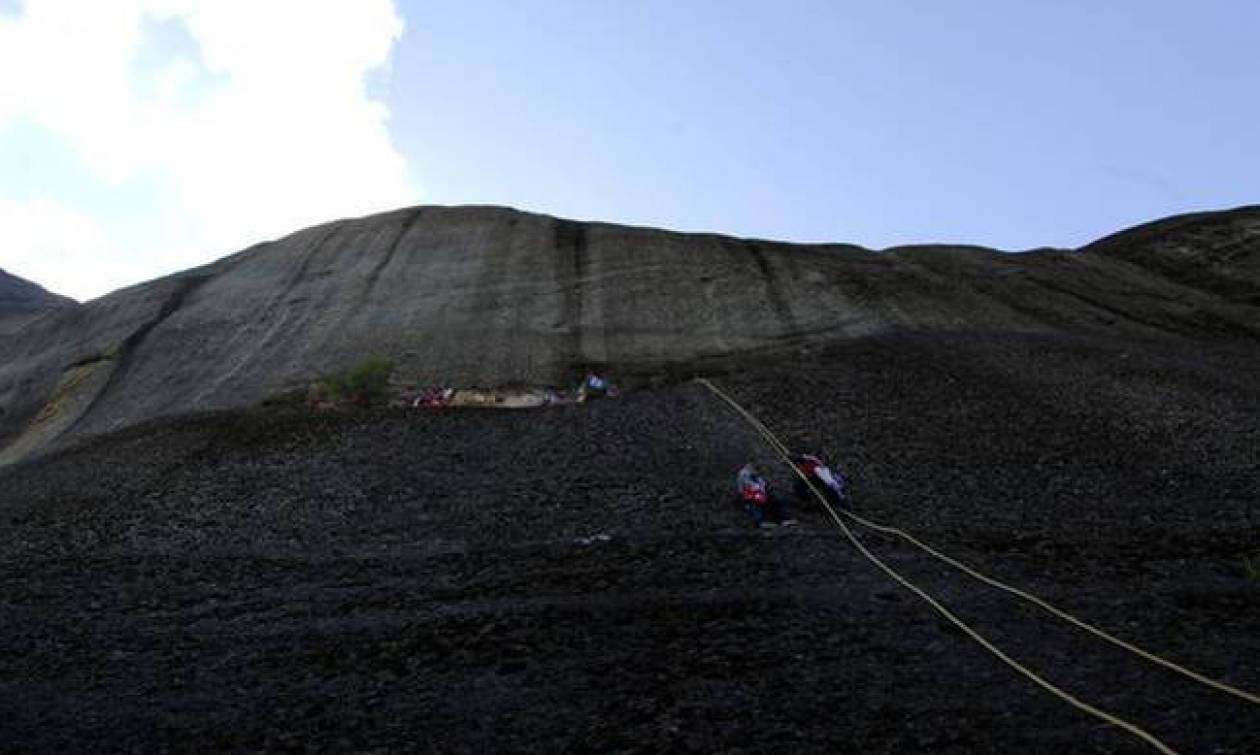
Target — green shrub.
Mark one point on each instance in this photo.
(365, 383)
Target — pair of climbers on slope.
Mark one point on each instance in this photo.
(770, 511)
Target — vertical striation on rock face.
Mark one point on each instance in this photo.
(485, 295)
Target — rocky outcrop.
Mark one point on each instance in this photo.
(1217, 252)
(22, 301)
(484, 296)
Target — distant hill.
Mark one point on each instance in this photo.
(21, 301)
(487, 295)
(1212, 251)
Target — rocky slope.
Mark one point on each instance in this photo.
(578, 578)
(276, 581)
(480, 295)
(22, 301)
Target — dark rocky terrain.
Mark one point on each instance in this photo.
(22, 301)
(373, 581)
(262, 577)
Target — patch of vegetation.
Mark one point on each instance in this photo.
(1251, 567)
(364, 384)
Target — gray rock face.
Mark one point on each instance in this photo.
(22, 301)
(484, 296)
(1215, 252)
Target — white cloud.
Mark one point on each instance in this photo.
(264, 127)
(46, 241)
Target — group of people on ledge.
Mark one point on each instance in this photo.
(769, 510)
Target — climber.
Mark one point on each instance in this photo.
(830, 483)
(593, 386)
(754, 494)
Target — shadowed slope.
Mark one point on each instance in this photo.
(22, 301)
(265, 580)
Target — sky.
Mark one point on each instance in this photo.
(141, 137)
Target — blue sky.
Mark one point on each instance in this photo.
(1006, 123)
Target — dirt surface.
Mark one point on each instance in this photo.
(579, 579)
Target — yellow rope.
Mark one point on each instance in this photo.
(1045, 606)
(986, 644)
(1189, 673)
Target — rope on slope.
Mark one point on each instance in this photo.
(1062, 694)
(1033, 599)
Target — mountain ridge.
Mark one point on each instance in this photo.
(22, 301)
(484, 295)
